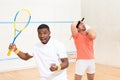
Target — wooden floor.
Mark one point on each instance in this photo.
(102, 73)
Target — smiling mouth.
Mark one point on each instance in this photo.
(44, 41)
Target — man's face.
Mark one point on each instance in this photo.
(44, 35)
(81, 27)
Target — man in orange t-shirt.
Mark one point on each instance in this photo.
(84, 37)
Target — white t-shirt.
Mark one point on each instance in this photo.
(45, 55)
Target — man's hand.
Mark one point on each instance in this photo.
(12, 47)
(53, 67)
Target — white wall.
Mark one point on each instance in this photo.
(104, 17)
(58, 14)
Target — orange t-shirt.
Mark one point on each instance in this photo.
(84, 46)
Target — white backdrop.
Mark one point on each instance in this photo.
(104, 17)
(58, 14)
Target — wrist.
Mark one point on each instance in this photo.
(59, 67)
(16, 51)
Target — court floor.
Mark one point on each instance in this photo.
(103, 72)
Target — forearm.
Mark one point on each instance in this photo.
(91, 34)
(22, 55)
(64, 63)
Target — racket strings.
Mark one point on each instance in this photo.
(21, 20)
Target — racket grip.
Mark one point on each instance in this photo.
(9, 52)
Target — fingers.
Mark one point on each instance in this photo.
(12, 47)
(53, 67)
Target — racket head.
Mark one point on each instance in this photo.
(21, 20)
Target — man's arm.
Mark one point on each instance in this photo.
(73, 28)
(22, 55)
(63, 65)
(91, 33)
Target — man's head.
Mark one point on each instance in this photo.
(43, 33)
(81, 27)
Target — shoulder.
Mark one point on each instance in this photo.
(37, 45)
(56, 41)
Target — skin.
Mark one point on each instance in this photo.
(91, 34)
(44, 36)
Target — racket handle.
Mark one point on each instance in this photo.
(9, 52)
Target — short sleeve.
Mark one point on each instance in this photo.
(30, 52)
(62, 51)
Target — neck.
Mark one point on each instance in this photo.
(82, 32)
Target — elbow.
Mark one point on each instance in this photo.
(93, 37)
(67, 64)
(24, 58)
(91, 34)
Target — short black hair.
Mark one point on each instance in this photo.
(43, 26)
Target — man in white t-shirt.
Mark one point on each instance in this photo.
(50, 55)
